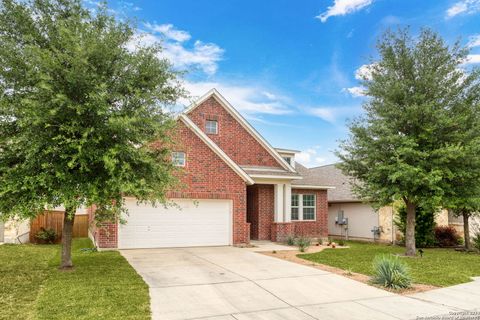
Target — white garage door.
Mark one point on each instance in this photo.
(191, 223)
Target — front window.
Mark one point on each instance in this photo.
(303, 207)
(211, 127)
(295, 207)
(288, 160)
(178, 159)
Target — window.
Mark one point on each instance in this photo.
(178, 159)
(211, 127)
(294, 206)
(288, 160)
(303, 207)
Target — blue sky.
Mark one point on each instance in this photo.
(290, 66)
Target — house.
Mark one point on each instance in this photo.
(349, 217)
(236, 187)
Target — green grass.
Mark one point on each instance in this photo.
(102, 285)
(438, 267)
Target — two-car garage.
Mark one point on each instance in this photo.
(188, 223)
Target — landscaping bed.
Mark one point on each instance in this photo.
(101, 286)
(437, 268)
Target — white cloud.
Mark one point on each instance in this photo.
(364, 72)
(204, 56)
(333, 114)
(463, 7)
(343, 7)
(313, 157)
(473, 59)
(355, 91)
(169, 31)
(327, 114)
(474, 41)
(246, 99)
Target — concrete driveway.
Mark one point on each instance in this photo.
(227, 283)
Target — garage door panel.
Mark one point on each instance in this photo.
(189, 223)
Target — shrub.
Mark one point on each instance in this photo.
(291, 240)
(390, 272)
(476, 241)
(424, 225)
(341, 242)
(303, 243)
(446, 236)
(46, 235)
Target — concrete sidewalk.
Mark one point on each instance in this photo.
(232, 283)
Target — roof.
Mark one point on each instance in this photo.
(244, 123)
(328, 175)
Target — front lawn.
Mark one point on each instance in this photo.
(438, 267)
(102, 286)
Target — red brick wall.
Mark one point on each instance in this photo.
(318, 228)
(261, 211)
(232, 138)
(205, 176)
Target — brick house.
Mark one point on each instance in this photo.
(235, 187)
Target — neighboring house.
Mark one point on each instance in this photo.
(236, 188)
(15, 231)
(348, 216)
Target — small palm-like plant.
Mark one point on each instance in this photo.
(390, 272)
(290, 240)
(303, 243)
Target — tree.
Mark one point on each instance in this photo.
(411, 143)
(79, 112)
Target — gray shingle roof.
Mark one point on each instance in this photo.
(327, 175)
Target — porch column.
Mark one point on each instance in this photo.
(278, 201)
(287, 202)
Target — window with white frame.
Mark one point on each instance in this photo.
(288, 160)
(178, 158)
(211, 126)
(303, 207)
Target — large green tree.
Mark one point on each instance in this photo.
(417, 136)
(79, 112)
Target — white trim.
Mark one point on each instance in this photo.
(287, 151)
(270, 176)
(235, 167)
(213, 92)
(300, 207)
(262, 169)
(299, 186)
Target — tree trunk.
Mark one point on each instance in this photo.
(466, 230)
(410, 230)
(67, 235)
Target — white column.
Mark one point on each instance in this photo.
(287, 202)
(278, 202)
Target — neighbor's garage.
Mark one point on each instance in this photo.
(188, 224)
(362, 218)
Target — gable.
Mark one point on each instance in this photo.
(232, 137)
(204, 171)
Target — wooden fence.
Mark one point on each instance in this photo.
(54, 220)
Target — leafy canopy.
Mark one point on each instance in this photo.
(419, 137)
(79, 111)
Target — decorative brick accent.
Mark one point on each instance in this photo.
(280, 231)
(319, 227)
(232, 138)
